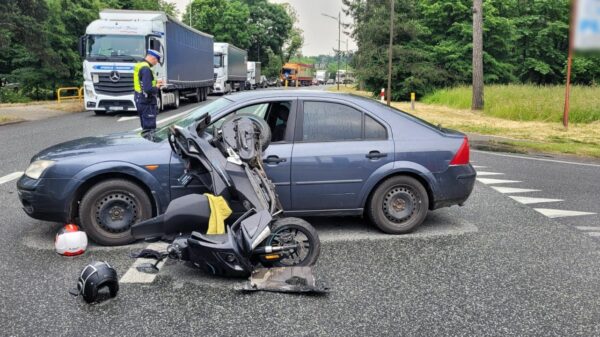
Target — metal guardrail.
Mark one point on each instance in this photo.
(78, 94)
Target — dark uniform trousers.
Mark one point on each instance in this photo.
(147, 110)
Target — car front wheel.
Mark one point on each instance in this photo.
(109, 209)
(398, 205)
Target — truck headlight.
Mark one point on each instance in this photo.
(35, 169)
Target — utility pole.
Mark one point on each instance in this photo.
(339, 48)
(477, 99)
(389, 84)
(191, 2)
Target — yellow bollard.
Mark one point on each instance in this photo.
(412, 100)
(286, 83)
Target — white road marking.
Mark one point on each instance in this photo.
(559, 213)
(588, 228)
(488, 181)
(594, 234)
(485, 174)
(10, 177)
(529, 200)
(123, 119)
(135, 276)
(537, 159)
(478, 167)
(511, 190)
(164, 120)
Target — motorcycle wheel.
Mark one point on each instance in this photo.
(290, 231)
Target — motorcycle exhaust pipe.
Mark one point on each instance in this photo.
(271, 249)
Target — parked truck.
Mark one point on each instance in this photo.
(255, 79)
(230, 72)
(322, 76)
(300, 72)
(113, 44)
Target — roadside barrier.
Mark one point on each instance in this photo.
(61, 91)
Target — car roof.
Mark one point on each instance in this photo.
(273, 93)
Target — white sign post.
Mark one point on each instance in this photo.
(584, 35)
(586, 25)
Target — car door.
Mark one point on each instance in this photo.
(277, 157)
(337, 147)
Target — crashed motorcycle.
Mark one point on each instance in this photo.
(228, 161)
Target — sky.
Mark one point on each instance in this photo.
(320, 32)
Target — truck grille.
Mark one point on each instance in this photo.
(106, 86)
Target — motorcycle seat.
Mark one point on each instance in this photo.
(213, 238)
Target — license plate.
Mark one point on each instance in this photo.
(115, 108)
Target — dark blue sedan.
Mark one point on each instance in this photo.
(330, 154)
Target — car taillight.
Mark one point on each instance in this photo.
(462, 155)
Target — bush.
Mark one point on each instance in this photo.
(9, 95)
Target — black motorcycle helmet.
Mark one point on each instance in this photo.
(93, 278)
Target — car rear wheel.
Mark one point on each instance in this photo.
(398, 205)
(109, 208)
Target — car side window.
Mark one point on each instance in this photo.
(276, 115)
(325, 121)
(374, 130)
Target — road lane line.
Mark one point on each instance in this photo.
(10, 177)
(488, 181)
(123, 119)
(132, 275)
(594, 234)
(560, 213)
(486, 174)
(529, 200)
(588, 228)
(538, 159)
(511, 190)
(478, 167)
(164, 120)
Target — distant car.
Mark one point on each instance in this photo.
(274, 82)
(263, 81)
(330, 154)
(331, 81)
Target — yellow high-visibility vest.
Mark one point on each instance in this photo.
(137, 84)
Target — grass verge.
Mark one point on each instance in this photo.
(526, 102)
(9, 120)
(581, 139)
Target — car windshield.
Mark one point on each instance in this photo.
(211, 108)
(116, 46)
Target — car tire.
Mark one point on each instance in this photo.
(109, 208)
(398, 205)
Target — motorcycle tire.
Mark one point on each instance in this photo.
(298, 225)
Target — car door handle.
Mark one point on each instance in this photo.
(274, 160)
(376, 155)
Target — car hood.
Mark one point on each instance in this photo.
(118, 142)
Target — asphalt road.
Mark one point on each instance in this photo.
(496, 267)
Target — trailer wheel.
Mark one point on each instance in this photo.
(204, 94)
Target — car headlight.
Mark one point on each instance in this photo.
(35, 169)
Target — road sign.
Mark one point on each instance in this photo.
(586, 23)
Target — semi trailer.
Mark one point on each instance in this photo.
(230, 68)
(255, 79)
(114, 43)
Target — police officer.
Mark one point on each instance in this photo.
(146, 90)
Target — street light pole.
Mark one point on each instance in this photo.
(339, 20)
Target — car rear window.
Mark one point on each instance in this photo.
(374, 130)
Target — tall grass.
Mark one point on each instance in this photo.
(526, 102)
